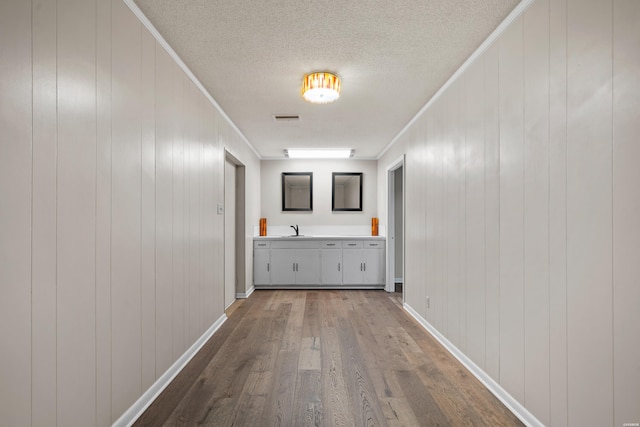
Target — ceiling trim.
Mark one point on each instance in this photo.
(515, 13)
(154, 32)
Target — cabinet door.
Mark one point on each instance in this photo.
(307, 267)
(352, 266)
(331, 267)
(261, 267)
(373, 266)
(283, 266)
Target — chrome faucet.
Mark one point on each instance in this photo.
(295, 227)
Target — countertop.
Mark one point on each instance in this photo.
(305, 237)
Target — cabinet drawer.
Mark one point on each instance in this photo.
(352, 244)
(331, 245)
(289, 244)
(261, 245)
(373, 245)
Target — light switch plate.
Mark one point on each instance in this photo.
(220, 209)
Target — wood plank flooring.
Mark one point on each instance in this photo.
(324, 358)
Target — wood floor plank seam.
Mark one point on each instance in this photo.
(324, 358)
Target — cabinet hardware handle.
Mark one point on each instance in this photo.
(360, 266)
(338, 266)
(267, 266)
(294, 266)
(331, 244)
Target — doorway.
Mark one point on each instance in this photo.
(395, 227)
(234, 226)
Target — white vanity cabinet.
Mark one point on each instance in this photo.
(363, 262)
(295, 263)
(262, 263)
(331, 260)
(316, 262)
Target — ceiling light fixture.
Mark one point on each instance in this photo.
(310, 153)
(321, 88)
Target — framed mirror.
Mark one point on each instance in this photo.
(346, 191)
(297, 191)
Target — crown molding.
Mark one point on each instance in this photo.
(515, 13)
(156, 35)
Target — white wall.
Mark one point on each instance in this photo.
(271, 199)
(111, 255)
(522, 196)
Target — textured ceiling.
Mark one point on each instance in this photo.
(391, 56)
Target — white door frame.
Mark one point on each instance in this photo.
(391, 231)
(240, 221)
(230, 271)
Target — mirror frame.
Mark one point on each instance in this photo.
(333, 192)
(310, 175)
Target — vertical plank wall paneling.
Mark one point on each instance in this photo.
(589, 208)
(420, 189)
(148, 208)
(103, 211)
(451, 175)
(418, 166)
(126, 350)
(439, 217)
(492, 211)
(15, 211)
(195, 219)
(536, 209)
(164, 211)
(558, 212)
(205, 220)
(557, 182)
(428, 217)
(411, 285)
(460, 173)
(110, 244)
(512, 211)
(420, 204)
(473, 164)
(178, 83)
(43, 263)
(76, 213)
(626, 205)
(211, 238)
(192, 279)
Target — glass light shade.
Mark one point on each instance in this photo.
(321, 88)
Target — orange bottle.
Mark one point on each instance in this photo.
(263, 226)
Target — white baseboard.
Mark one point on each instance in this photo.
(138, 408)
(509, 401)
(246, 294)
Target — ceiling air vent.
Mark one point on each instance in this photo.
(286, 117)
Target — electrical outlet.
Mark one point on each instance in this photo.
(428, 302)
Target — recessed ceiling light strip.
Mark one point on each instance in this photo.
(321, 153)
